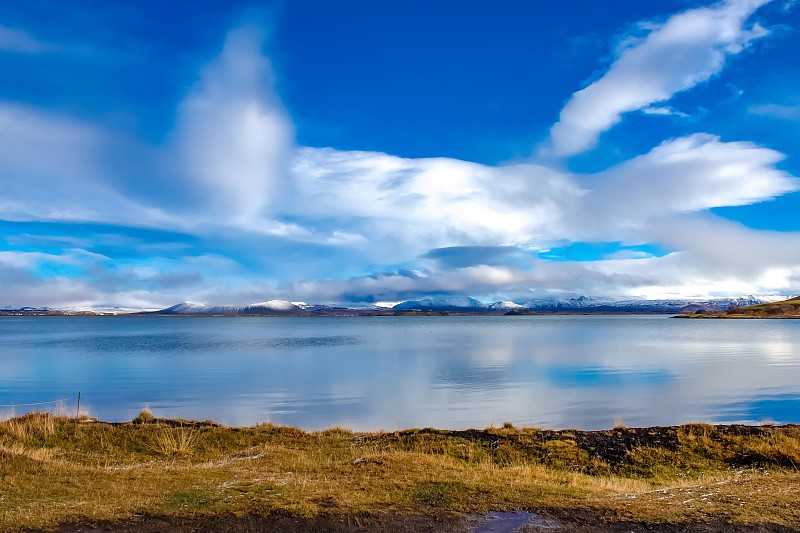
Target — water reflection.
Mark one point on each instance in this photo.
(393, 372)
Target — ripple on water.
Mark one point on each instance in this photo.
(184, 342)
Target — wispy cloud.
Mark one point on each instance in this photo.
(15, 40)
(50, 168)
(687, 49)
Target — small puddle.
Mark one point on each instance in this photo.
(500, 522)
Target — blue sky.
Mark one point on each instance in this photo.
(360, 152)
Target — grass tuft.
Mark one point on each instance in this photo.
(175, 441)
(145, 417)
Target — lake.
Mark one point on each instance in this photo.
(370, 373)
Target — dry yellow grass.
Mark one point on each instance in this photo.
(54, 470)
(29, 427)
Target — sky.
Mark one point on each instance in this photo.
(358, 152)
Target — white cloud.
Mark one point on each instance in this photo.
(478, 280)
(687, 49)
(404, 207)
(663, 111)
(413, 205)
(383, 209)
(692, 173)
(235, 136)
(233, 176)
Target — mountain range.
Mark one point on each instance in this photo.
(576, 303)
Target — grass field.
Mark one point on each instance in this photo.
(57, 469)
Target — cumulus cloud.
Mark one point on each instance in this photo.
(409, 206)
(232, 178)
(687, 49)
(692, 173)
(413, 205)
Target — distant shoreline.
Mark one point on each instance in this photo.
(783, 309)
(737, 317)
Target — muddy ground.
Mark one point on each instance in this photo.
(611, 446)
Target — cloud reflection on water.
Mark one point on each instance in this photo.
(394, 372)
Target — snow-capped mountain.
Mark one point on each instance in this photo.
(271, 307)
(268, 308)
(79, 310)
(449, 303)
(567, 303)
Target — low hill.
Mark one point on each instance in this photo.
(783, 309)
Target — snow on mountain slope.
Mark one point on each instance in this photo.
(504, 306)
(569, 302)
(278, 305)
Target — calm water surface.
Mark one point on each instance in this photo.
(372, 373)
